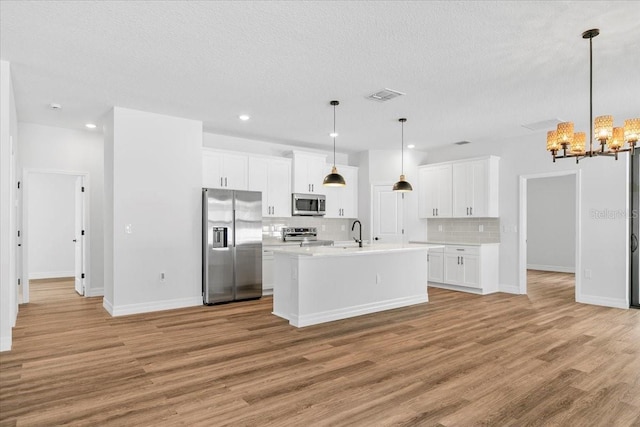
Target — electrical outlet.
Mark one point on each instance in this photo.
(480, 228)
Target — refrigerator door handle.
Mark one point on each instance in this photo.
(634, 243)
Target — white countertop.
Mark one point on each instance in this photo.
(442, 244)
(350, 250)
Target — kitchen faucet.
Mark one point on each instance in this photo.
(360, 228)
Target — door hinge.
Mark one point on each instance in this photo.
(18, 233)
(18, 185)
(82, 277)
(403, 231)
(18, 282)
(82, 189)
(83, 232)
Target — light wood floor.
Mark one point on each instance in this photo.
(459, 360)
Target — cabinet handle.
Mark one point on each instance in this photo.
(458, 260)
(221, 182)
(462, 260)
(427, 257)
(437, 213)
(467, 211)
(471, 210)
(225, 181)
(433, 212)
(313, 188)
(273, 210)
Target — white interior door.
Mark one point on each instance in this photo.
(387, 215)
(79, 235)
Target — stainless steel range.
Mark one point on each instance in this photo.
(307, 236)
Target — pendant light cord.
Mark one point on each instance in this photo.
(591, 96)
(334, 137)
(402, 150)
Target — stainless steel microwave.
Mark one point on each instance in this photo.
(308, 204)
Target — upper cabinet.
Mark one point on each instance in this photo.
(434, 183)
(309, 171)
(342, 202)
(224, 170)
(461, 189)
(272, 176)
(475, 188)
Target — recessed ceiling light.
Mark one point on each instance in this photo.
(411, 146)
(90, 126)
(333, 134)
(244, 117)
(55, 106)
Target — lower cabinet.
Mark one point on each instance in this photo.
(471, 268)
(268, 275)
(435, 261)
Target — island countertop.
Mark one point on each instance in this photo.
(354, 250)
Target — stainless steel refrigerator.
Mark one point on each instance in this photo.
(231, 245)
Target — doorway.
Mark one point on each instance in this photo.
(552, 249)
(387, 215)
(54, 234)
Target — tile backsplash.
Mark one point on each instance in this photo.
(464, 230)
(328, 228)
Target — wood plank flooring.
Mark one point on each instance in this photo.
(459, 360)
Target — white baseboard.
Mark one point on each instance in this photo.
(51, 275)
(267, 292)
(148, 307)
(107, 306)
(556, 268)
(509, 289)
(99, 292)
(476, 291)
(5, 343)
(603, 301)
(344, 313)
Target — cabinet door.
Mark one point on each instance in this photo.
(471, 271)
(317, 170)
(349, 197)
(234, 171)
(333, 207)
(309, 171)
(258, 181)
(279, 193)
(452, 269)
(478, 176)
(268, 276)
(436, 267)
(462, 186)
(443, 191)
(211, 170)
(427, 199)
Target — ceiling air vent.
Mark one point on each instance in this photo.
(462, 142)
(385, 95)
(543, 125)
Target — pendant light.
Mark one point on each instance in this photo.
(334, 179)
(402, 185)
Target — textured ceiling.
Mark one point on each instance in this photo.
(471, 70)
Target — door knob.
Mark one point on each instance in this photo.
(376, 238)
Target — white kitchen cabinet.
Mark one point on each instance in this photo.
(475, 188)
(434, 191)
(309, 170)
(460, 189)
(268, 274)
(224, 170)
(471, 268)
(271, 176)
(342, 202)
(435, 260)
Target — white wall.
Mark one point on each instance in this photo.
(156, 182)
(8, 203)
(382, 167)
(604, 242)
(51, 224)
(47, 148)
(551, 237)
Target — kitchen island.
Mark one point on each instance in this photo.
(321, 284)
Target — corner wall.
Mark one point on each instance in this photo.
(8, 217)
(155, 176)
(48, 148)
(605, 188)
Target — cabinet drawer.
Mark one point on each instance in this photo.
(462, 250)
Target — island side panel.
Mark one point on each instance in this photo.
(285, 288)
(338, 287)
